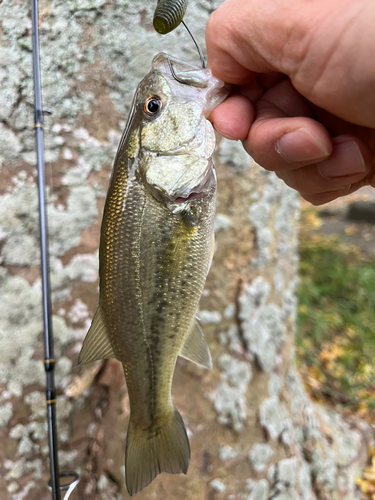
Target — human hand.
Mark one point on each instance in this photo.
(304, 98)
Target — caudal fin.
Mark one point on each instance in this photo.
(160, 449)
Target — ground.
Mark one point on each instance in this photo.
(335, 339)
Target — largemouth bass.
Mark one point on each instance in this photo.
(155, 253)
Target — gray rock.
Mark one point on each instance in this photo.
(363, 211)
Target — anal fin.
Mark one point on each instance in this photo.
(195, 348)
(96, 344)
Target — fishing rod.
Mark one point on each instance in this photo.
(163, 12)
(49, 359)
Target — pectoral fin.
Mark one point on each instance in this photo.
(195, 348)
(96, 344)
(179, 247)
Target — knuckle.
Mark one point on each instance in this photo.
(315, 199)
(300, 183)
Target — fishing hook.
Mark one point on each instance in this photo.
(179, 80)
(49, 359)
(174, 74)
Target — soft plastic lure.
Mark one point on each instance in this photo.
(168, 15)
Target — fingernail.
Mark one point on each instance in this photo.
(346, 159)
(301, 145)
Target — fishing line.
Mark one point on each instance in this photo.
(167, 16)
(71, 488)
(196, 44)
(179, 80)
(49, 359)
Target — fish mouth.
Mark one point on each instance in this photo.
(191, 197)
(189, 193)
(198, 191)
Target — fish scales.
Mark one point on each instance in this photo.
(155, 253)
(142, 305)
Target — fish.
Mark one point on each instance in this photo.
(155, 252)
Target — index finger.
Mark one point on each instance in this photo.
(219, 54)
(238, 48)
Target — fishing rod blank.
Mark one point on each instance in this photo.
(49, 360)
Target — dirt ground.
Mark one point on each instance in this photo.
(335, 221)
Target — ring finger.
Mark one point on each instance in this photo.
(349, 163)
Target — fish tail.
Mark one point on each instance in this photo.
(162, 448)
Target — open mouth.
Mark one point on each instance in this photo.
(192, 196)
(199, 190)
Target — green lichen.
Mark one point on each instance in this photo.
(260, 491)
(10, 145)
(273, 416)
(259, 456)
(262, 323)
(232, 154)
(230, 401)
(6, 413)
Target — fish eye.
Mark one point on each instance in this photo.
(152, 105)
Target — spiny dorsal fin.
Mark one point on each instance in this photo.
(195, 348)
(96, 344)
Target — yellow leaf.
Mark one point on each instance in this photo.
(302, 309)
(313, 220)
(316, 374)
(362, 484)
(369, 476)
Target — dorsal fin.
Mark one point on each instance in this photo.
(96, 344)
(195, 348)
